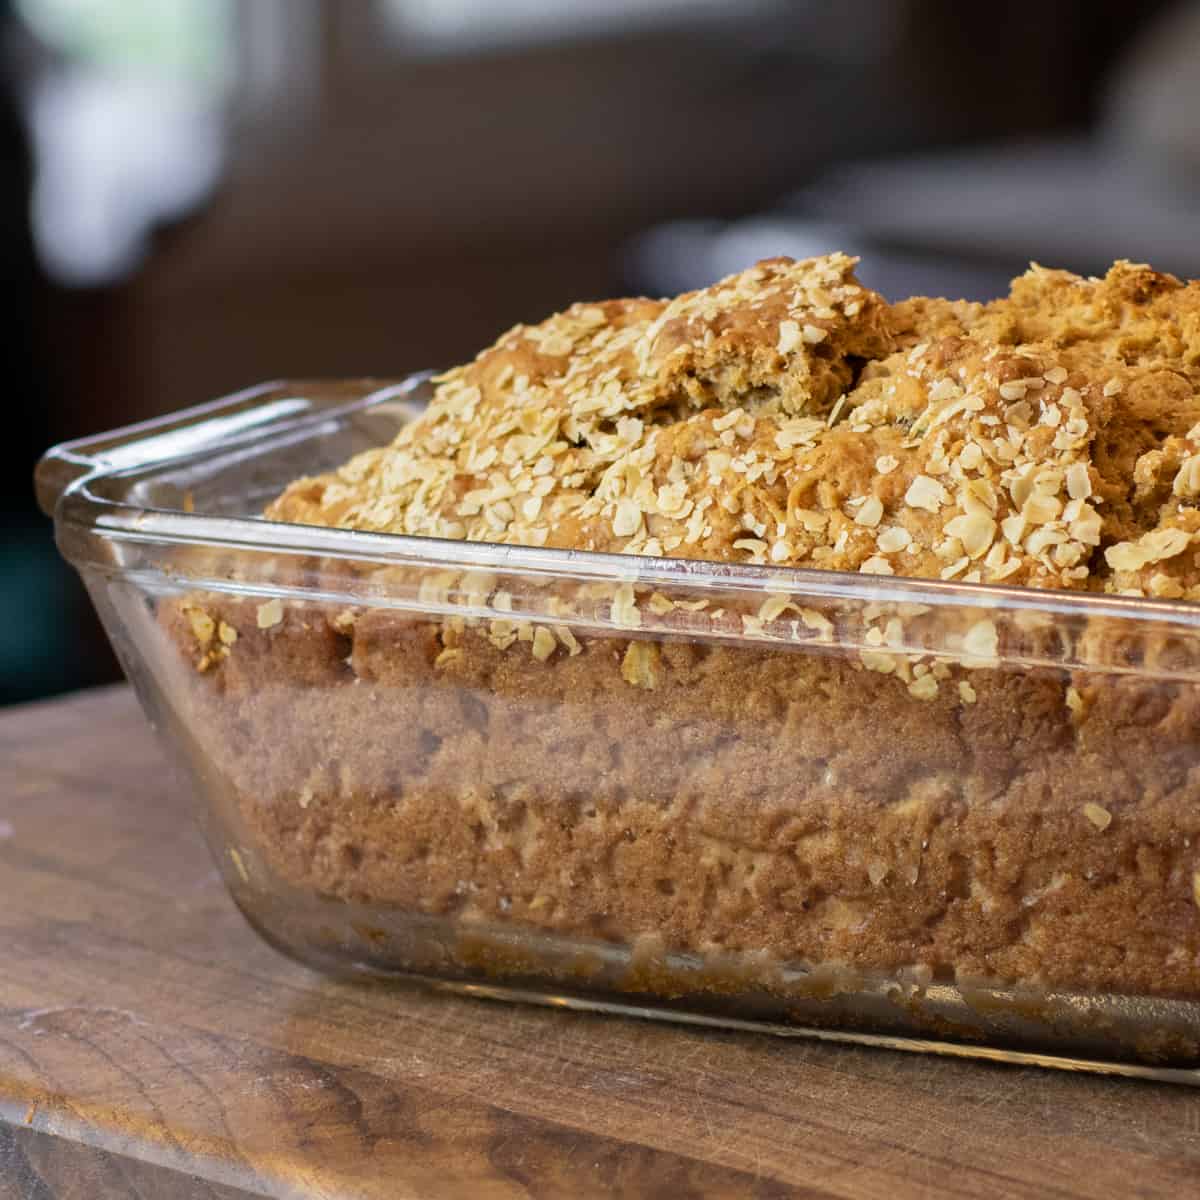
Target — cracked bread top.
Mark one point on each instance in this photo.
(787, 415)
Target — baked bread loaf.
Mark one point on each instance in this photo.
(1014, 813)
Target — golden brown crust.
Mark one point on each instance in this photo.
(789, 416)
(614, 426)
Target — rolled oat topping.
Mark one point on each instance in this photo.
(789, 416)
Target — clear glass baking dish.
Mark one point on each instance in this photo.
(927, 815)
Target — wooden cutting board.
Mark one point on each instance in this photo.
(151, 1046)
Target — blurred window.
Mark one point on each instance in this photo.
(182, 38)
(127, 121)
(451, 25)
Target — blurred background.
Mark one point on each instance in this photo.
(196, 195)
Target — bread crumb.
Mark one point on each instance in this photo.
(202, 625)
(1100, 817)
(270, 614)
(544, 644)
(569, 640)
(624, 607)
(641, 666)
(981, 640)
(774, 606)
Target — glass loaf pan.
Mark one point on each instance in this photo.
(931, 815)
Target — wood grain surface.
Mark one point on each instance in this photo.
(152, 1046)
